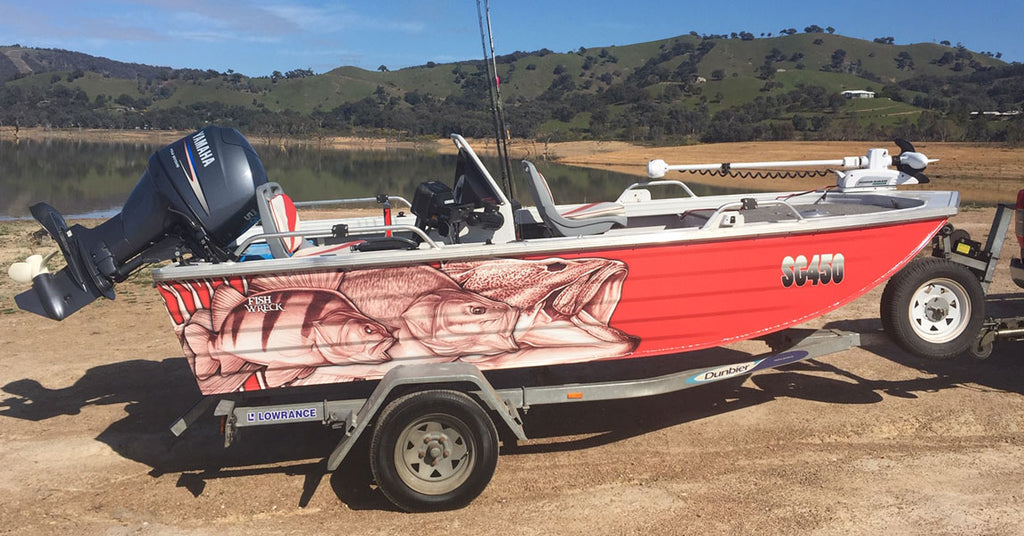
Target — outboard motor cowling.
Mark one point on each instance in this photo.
(196, 196)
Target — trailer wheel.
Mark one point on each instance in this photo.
(433, 450)
(933, 308)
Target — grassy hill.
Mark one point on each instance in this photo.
(595, 92)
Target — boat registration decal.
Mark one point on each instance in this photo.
(277, 415)
(821, 269)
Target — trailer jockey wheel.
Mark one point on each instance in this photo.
(433, 450)
(933, 308)
(982, 346)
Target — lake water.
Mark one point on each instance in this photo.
(86, 179)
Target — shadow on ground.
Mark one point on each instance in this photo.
(155, 393)
(1003, 370)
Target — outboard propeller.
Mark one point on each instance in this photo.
(910, 161)
(24, 271)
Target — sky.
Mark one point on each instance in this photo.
(257, 37)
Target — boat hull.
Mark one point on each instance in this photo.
(308, 327)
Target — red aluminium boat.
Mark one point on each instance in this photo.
(465, 277)
(463, 283)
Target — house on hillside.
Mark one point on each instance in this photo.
(858, 94)
(996, 115)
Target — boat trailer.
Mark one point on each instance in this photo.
(957, 246)
(433, 426)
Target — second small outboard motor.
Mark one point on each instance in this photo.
(196, 196)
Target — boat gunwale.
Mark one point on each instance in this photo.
(935, 205)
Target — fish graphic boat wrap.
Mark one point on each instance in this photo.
(250, 332)
(257, 332)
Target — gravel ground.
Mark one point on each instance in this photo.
(859, 442)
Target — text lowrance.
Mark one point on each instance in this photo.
(278, 415)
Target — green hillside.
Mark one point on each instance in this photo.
(673, 89)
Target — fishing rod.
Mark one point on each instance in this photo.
(494, 88)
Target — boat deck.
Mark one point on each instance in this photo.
(474, 219)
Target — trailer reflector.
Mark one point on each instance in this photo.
(1020, 219)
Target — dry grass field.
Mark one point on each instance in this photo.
(986, 174)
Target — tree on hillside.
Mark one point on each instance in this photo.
(830, 30)
(800, 122)
(383, 68)
(904, 61)
(814, 28)
(838, 57)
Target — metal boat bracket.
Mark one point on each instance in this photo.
(985, 267)
(226, 409)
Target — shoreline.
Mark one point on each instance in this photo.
(982, 173)
(519, 148)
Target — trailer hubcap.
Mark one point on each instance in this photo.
(936, 309)
(940, 310)
(435, 454)
(435, 449)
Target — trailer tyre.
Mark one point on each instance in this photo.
(433, 450)
(933, 308)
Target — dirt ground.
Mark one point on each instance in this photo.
(865, 441)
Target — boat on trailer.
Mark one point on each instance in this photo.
(463, 281)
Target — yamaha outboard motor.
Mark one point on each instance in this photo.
(196, 196)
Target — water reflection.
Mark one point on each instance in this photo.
(84, 178)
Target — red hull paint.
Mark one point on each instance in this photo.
(635, 302)
(700, 295)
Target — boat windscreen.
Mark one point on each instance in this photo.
(471, 184)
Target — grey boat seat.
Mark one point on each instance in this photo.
(593, 218)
